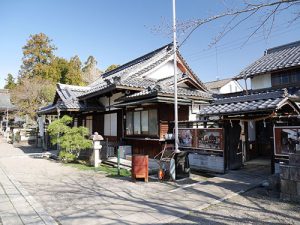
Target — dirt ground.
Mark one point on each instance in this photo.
(258, 206)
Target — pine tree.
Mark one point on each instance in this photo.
(10, 82)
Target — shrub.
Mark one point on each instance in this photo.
(66, 157)
(17, 137)
(71, 139)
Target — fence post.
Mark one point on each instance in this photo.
(118, 159)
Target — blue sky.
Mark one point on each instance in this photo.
(117, 31)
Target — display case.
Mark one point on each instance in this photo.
(206, 147)
(211, 139)
(286, 140)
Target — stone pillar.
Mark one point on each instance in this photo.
(290, 179)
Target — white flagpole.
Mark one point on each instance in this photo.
(175, 79)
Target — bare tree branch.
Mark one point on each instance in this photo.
(263, 23)
(193, 25)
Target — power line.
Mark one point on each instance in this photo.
(223, 50)
(240, 41)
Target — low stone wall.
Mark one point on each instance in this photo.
(290, 179)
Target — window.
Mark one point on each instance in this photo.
(142, 122)
(129, 118)
(89, 123)
(110, 124)
(153, 129)
(285, 78)
(137, 122)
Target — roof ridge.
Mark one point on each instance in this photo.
(230, 78)
(282, 47)
(135, 61)
(252, 97)
(150, 66)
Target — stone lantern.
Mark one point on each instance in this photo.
(96, 147)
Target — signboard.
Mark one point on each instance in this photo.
(201, 138)
(286, 140)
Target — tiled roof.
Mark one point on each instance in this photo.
(186, 92)
(267, 100)
(281, 57)
(5, 102)
(217, 83)
(158, 90)
(66, 91)
(132, 75)
(68, 99)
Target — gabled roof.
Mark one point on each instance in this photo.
(278, 58)
(131, 71)
(165, 87)
(132, 74)
(66, 100)
(66, 92)
(5, 103)
(255, 101)
(217, 83)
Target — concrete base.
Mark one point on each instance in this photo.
(290, 179)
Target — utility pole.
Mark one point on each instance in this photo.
(175, 80)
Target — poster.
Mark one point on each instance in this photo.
(286, 140)
(185, 137)
(210, 139)
(201, 138)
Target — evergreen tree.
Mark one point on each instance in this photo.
(74, 75)
(37, 56)
(90, 72)
(10, 82)
(111, 67)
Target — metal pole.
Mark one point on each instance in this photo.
(175, 79)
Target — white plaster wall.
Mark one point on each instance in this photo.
(165, 70)
(105, 100)
(261, 81)
(192, 116)
(235, 87)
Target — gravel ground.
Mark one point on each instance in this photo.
(257, 206)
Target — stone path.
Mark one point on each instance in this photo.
(17, 206)
(73, 196)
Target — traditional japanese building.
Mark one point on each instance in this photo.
(6, 107)
(133, 104)
(263, 121)
(224, 86)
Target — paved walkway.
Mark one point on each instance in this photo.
(73, 196)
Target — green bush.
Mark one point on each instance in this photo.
(71, 139)
(66, 157)
(17, 137)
